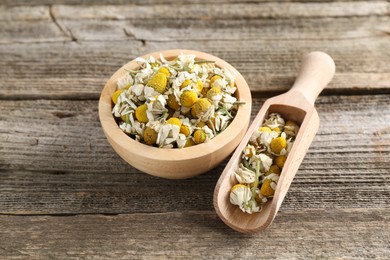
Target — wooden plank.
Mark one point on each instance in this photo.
(80, 70)
(148, 2)
(235, 29)
(269, 60)
(225, 11)
(196, 22)
(295, 234)
(54, 159)
(29, 24)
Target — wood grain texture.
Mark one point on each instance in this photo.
(79, 71)
(304, 234)
(58, 172)
(73, 46)
(55, 159)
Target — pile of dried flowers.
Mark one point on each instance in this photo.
(261, 164)
(175, 104)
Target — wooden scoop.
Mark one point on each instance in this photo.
(297, 105)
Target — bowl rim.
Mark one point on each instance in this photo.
(121, 139)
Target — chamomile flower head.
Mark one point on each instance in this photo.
(141, 114)
(291, 128)
(245, 175)
(188, 98)
(125, 82)
(278, 144)
(241, 195)
(274, 120)
(116, 95)
(158, 82)
(201, 108)
(200, 136)
(150, 136)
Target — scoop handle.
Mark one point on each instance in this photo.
(316, 72)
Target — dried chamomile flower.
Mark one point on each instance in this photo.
(169, 133)
(241, 195)
(268, 186)
(265, 162)
(273, 169)
(249, 153)
(200, 136)
(214, 78)
(116, 95)
(185, 130)
(172, 102)
(188, 98)
(280, 160)
(189, 143)
(140, 113)
(291, 128)
(201, 108)
(150, 136)
(245, 175)
(262, 161)
(278, 144)
(274, 120)
(126, 82)
(158, 82)
(175, 103)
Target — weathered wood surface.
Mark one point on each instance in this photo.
(57, 148)
(72, 46)
(352, 233)
(65, 194)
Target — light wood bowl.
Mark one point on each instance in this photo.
(176, 163)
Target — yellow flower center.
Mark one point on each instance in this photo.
(200, 107)
(185, 130)
(140, 113)
(278, 144)
(189, 143)
(165, 71)
(266, 189)
(188, 98)
(265, 129)
(237, 186)
(199, 136)
(116, 95)
(277, 130)
(213, 92)
(173, 121)
(199, 85)
(280, 160)
(214, 78)
(185, 83)
(273, 169)
(158, 82)
(150, 136)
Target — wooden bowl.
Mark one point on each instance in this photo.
(176, 163)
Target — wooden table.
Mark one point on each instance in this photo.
(65, 194)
